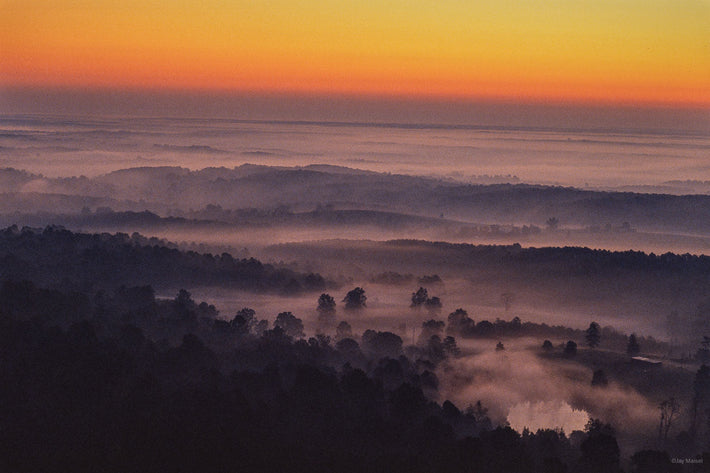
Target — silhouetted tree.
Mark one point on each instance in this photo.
(419, 297)
(484, 328)
(633, 348)
(593, 335)
(184, 311)
(260, 327)
(450, 410)
(326, 309)
(515, 324)
(547, 345)
(290, 324)
(433, 304)
(326, 304)
(570, 349)
(434, 349)
(480, 414)
(347, 346)
(450, 347)
(244, 320)
(184, 299)
(430, 328)
(343, 330)
(600, 451)
(669, 411)
(381, 344)
(355, 299)
(460, 323)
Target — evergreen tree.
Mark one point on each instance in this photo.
(633, 348)
(593, 335)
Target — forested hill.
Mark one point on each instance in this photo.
(57, 257)
(173, 191)
(565, 261)
(568, 279)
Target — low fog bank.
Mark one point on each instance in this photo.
(561, 154)
(255, 229)
(664, 296)
(511, 381)
(333, 196)
(632, 291)
(517, 381)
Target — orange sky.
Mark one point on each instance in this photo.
(602, 51)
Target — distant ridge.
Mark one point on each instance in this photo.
(171, 190)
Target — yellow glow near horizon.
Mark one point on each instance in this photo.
(655, 51)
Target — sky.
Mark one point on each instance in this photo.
(651, 52)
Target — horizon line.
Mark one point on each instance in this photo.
(702, 104)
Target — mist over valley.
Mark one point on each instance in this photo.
(490, 289)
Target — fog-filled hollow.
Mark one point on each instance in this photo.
(505, 380)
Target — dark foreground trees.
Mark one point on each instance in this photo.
(600, 451)
(290, 324)
(125, 382)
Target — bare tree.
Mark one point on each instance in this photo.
(669, 411)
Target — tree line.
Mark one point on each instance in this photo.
(57, 257)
